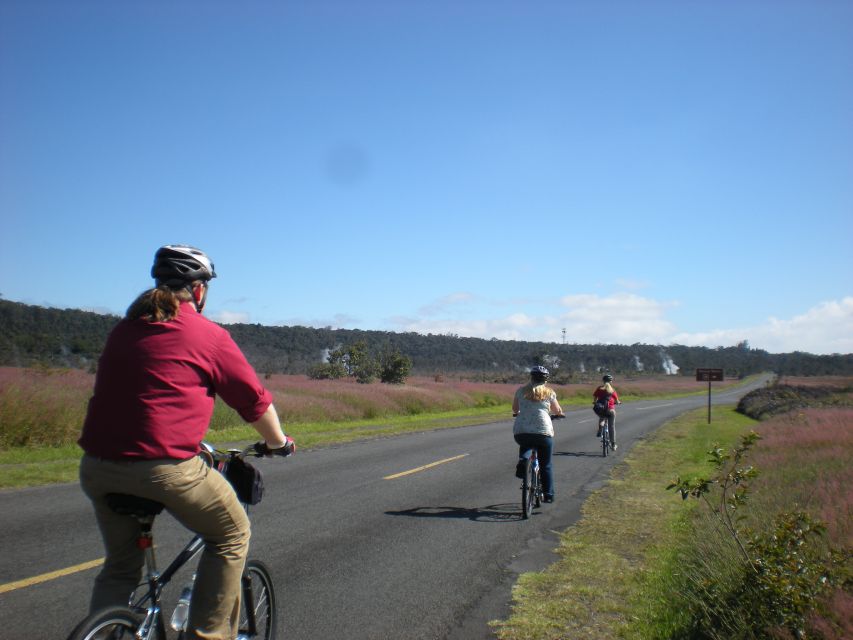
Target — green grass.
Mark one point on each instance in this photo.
(622, 556)
(36, 464)
(31, 466)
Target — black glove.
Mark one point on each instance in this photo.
(288, 449)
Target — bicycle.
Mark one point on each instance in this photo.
(142, 618)
(604, 430)
(604, 436)
(532, 492)
(531, 486)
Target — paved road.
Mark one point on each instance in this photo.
(355, 554)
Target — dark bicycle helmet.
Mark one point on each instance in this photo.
(539, 373)
(607, 378)
(177, 265)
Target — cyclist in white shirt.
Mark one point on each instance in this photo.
(533, 406)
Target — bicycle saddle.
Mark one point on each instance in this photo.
(128, 505)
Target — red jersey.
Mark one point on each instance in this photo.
(157, 383)
(600, 391)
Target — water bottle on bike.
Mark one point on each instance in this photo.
(182, 609)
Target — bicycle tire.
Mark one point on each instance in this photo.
(120, 622)
(537, 488)
(605, 440)
(257, 589)
(528, 489)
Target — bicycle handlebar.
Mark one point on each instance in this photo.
(256, 450)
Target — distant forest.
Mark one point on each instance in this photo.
(40, 336)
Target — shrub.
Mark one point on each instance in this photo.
(778, 399)
(788, 578)
(327, 371)
(780, 576)
(394, 367)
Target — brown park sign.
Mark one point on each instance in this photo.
(709, 375)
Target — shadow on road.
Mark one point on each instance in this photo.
(578, 454)
(490, 513)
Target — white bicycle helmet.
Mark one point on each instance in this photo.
(539, 374)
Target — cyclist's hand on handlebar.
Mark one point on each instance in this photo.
(558, 416)
(287, 449)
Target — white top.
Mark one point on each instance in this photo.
(533, 416)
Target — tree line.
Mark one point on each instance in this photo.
(33, 335)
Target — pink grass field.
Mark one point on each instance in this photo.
(40, 406)
(814, 447)
(805, 460)
(833, 382)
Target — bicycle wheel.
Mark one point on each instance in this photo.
(537, 487)
(605, 440)
(257, 606)
(528, 490)
(112, 623)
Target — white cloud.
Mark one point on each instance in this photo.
(587, 318)
(623, 318)
(337, 321)
(231, 317)
(626, 318)
(824, 329)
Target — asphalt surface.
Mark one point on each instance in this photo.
(355, 554)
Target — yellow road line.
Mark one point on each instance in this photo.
(27, 582)
(426, 466)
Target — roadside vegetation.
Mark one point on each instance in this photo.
(760, 546)
(42, 410)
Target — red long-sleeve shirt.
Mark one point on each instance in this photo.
(156, 385)
(601, 391)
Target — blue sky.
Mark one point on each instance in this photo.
(657, 172)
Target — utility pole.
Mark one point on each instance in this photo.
(564, 335)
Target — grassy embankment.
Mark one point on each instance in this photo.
(41, 411)
(640, 560)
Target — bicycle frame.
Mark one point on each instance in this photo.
(605, 436)
(537, 478)
(143, 616)
(531, 485)
(156, 581)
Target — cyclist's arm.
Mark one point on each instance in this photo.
(556, 409)
(269, 428)
(515, 405)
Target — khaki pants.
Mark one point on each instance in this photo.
(200, 499)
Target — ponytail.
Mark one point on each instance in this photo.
(537, 392)
(160, 304)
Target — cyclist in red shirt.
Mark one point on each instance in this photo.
(157, 380)
(604, 400)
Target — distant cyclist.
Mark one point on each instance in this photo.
(533, 406)
(604, 398)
